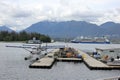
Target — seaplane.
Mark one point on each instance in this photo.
(36, 51)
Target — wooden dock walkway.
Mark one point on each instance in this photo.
(70, 59)
(51, 54)
(45, 62)
(92, 63)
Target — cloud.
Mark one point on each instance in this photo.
(20, 14)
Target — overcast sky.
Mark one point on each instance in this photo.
(19, 14)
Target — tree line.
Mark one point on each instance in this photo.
(22, 36)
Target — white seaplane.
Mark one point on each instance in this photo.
(37, 51)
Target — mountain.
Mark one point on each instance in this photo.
(4, 28)
(73, 28)
(111, 27)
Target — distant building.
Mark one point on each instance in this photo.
(34, 41)
(52, 41)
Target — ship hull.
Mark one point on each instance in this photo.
(91, 42)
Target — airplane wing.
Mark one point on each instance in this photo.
(24, 47)
(31, 44)
(19, 46)
(42, 48)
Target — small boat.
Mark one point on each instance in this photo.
(97, 40)
(111, 56)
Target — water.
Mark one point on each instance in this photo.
(13, 66)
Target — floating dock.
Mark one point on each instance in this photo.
(52, 53)
(92, 63)
(95, 64)
(48, 60)
(45, 62)
(70, 59)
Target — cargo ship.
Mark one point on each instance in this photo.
(96, 40)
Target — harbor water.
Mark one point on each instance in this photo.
(14, 67)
